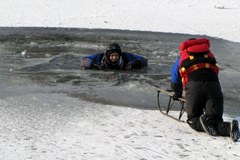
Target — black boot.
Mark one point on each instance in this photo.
(234, 131)
(208, 125)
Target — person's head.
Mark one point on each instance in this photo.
(113, 52)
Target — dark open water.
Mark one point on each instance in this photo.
(46, 60)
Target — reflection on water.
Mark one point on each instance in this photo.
(49, 59)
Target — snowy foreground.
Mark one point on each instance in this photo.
(94, 131)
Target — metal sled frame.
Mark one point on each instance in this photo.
(170, 103)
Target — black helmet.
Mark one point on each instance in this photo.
(113, 47)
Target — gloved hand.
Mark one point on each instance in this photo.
(177, 95)
(101, 66)
(133, 65)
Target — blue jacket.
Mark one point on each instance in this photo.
(175, 76)
(176, 81)
(127, 61)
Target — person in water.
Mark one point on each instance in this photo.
(113, 59)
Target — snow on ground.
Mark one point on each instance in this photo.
(61, 127)
(112, 132)
(217, 18)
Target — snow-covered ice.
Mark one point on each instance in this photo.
(216, 18)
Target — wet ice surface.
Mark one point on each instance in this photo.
(47, 60)
(50, 108)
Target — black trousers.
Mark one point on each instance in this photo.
(205, 97)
